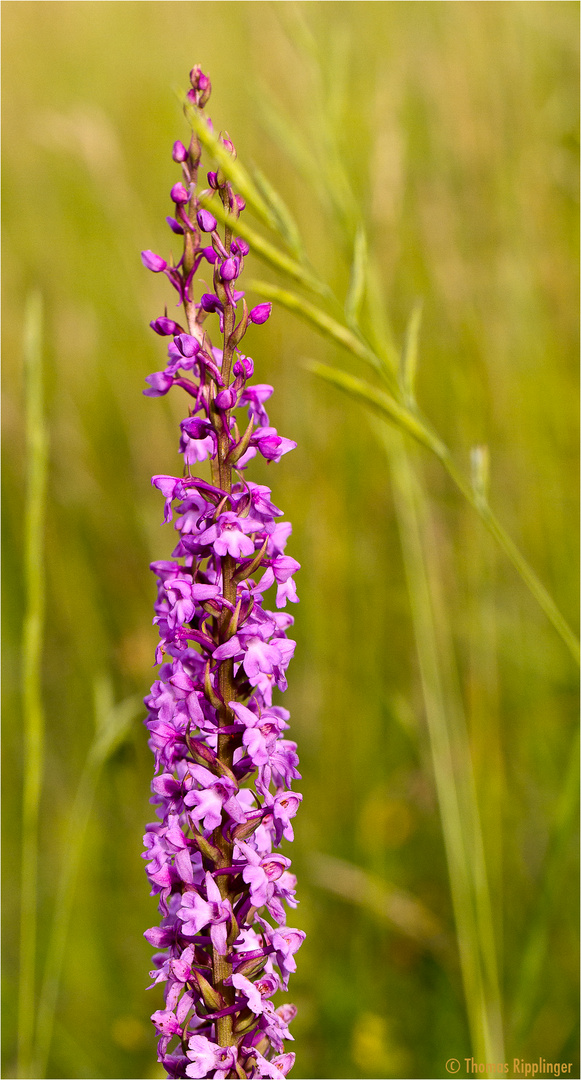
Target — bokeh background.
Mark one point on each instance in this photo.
(458, 128)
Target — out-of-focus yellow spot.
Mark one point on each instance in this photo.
(385, 821)
(157, 1072)
(136, 652)
(130, 1033)
(374, 1048)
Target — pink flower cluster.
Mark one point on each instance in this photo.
(223, 767)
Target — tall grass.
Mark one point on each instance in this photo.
(32, 643)
(112, 723)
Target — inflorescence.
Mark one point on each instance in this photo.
(223, 767)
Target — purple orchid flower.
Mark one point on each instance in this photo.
(223, 768)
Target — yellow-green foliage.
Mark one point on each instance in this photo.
(447, 135)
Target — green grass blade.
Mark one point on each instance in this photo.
(286, 225)
(529, 985)
(451, 762)
(380, 402)
(326, 324)
(356, 293)
(532, 581)
(113, 724)
(33, 715)
(397, 414)
(290, 141)
(409, 355)
(398, 907)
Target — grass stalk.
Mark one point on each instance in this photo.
(409, 421)
(113, 723)
(32, 643)
(529, 982)
(451, 760)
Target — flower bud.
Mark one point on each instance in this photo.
(201, 86)
(179, 194)
(241, 246)
(210, 303)
(164, 326)
(226, 399)
(209, 254)
(213, 180)
(179, 152)
(229, 270)
(228, 144)
(260, 313)
(154, 262)
(206, 221)
(244, 366)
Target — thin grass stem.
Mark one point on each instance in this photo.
(32, 643)
(113, 723)
(522, 567)
(451, 762)
(529, 982)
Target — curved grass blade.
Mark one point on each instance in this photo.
(397, 414)
(383, 404)
(409, 355)
(326, 324)
(290, 141)
(33, 714)
(285, 223)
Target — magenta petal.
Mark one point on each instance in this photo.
(219, 936)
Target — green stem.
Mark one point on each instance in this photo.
(33, 717)
(523, 568)
(452, 764)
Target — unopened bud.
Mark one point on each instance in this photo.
(166, 327)
(228, 144)
(229, 270)
(201, 86)
(179, 195)
(206, 221)
(179, 152)
(260, 313)
(154, 262)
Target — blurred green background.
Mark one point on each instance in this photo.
(458, 127)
